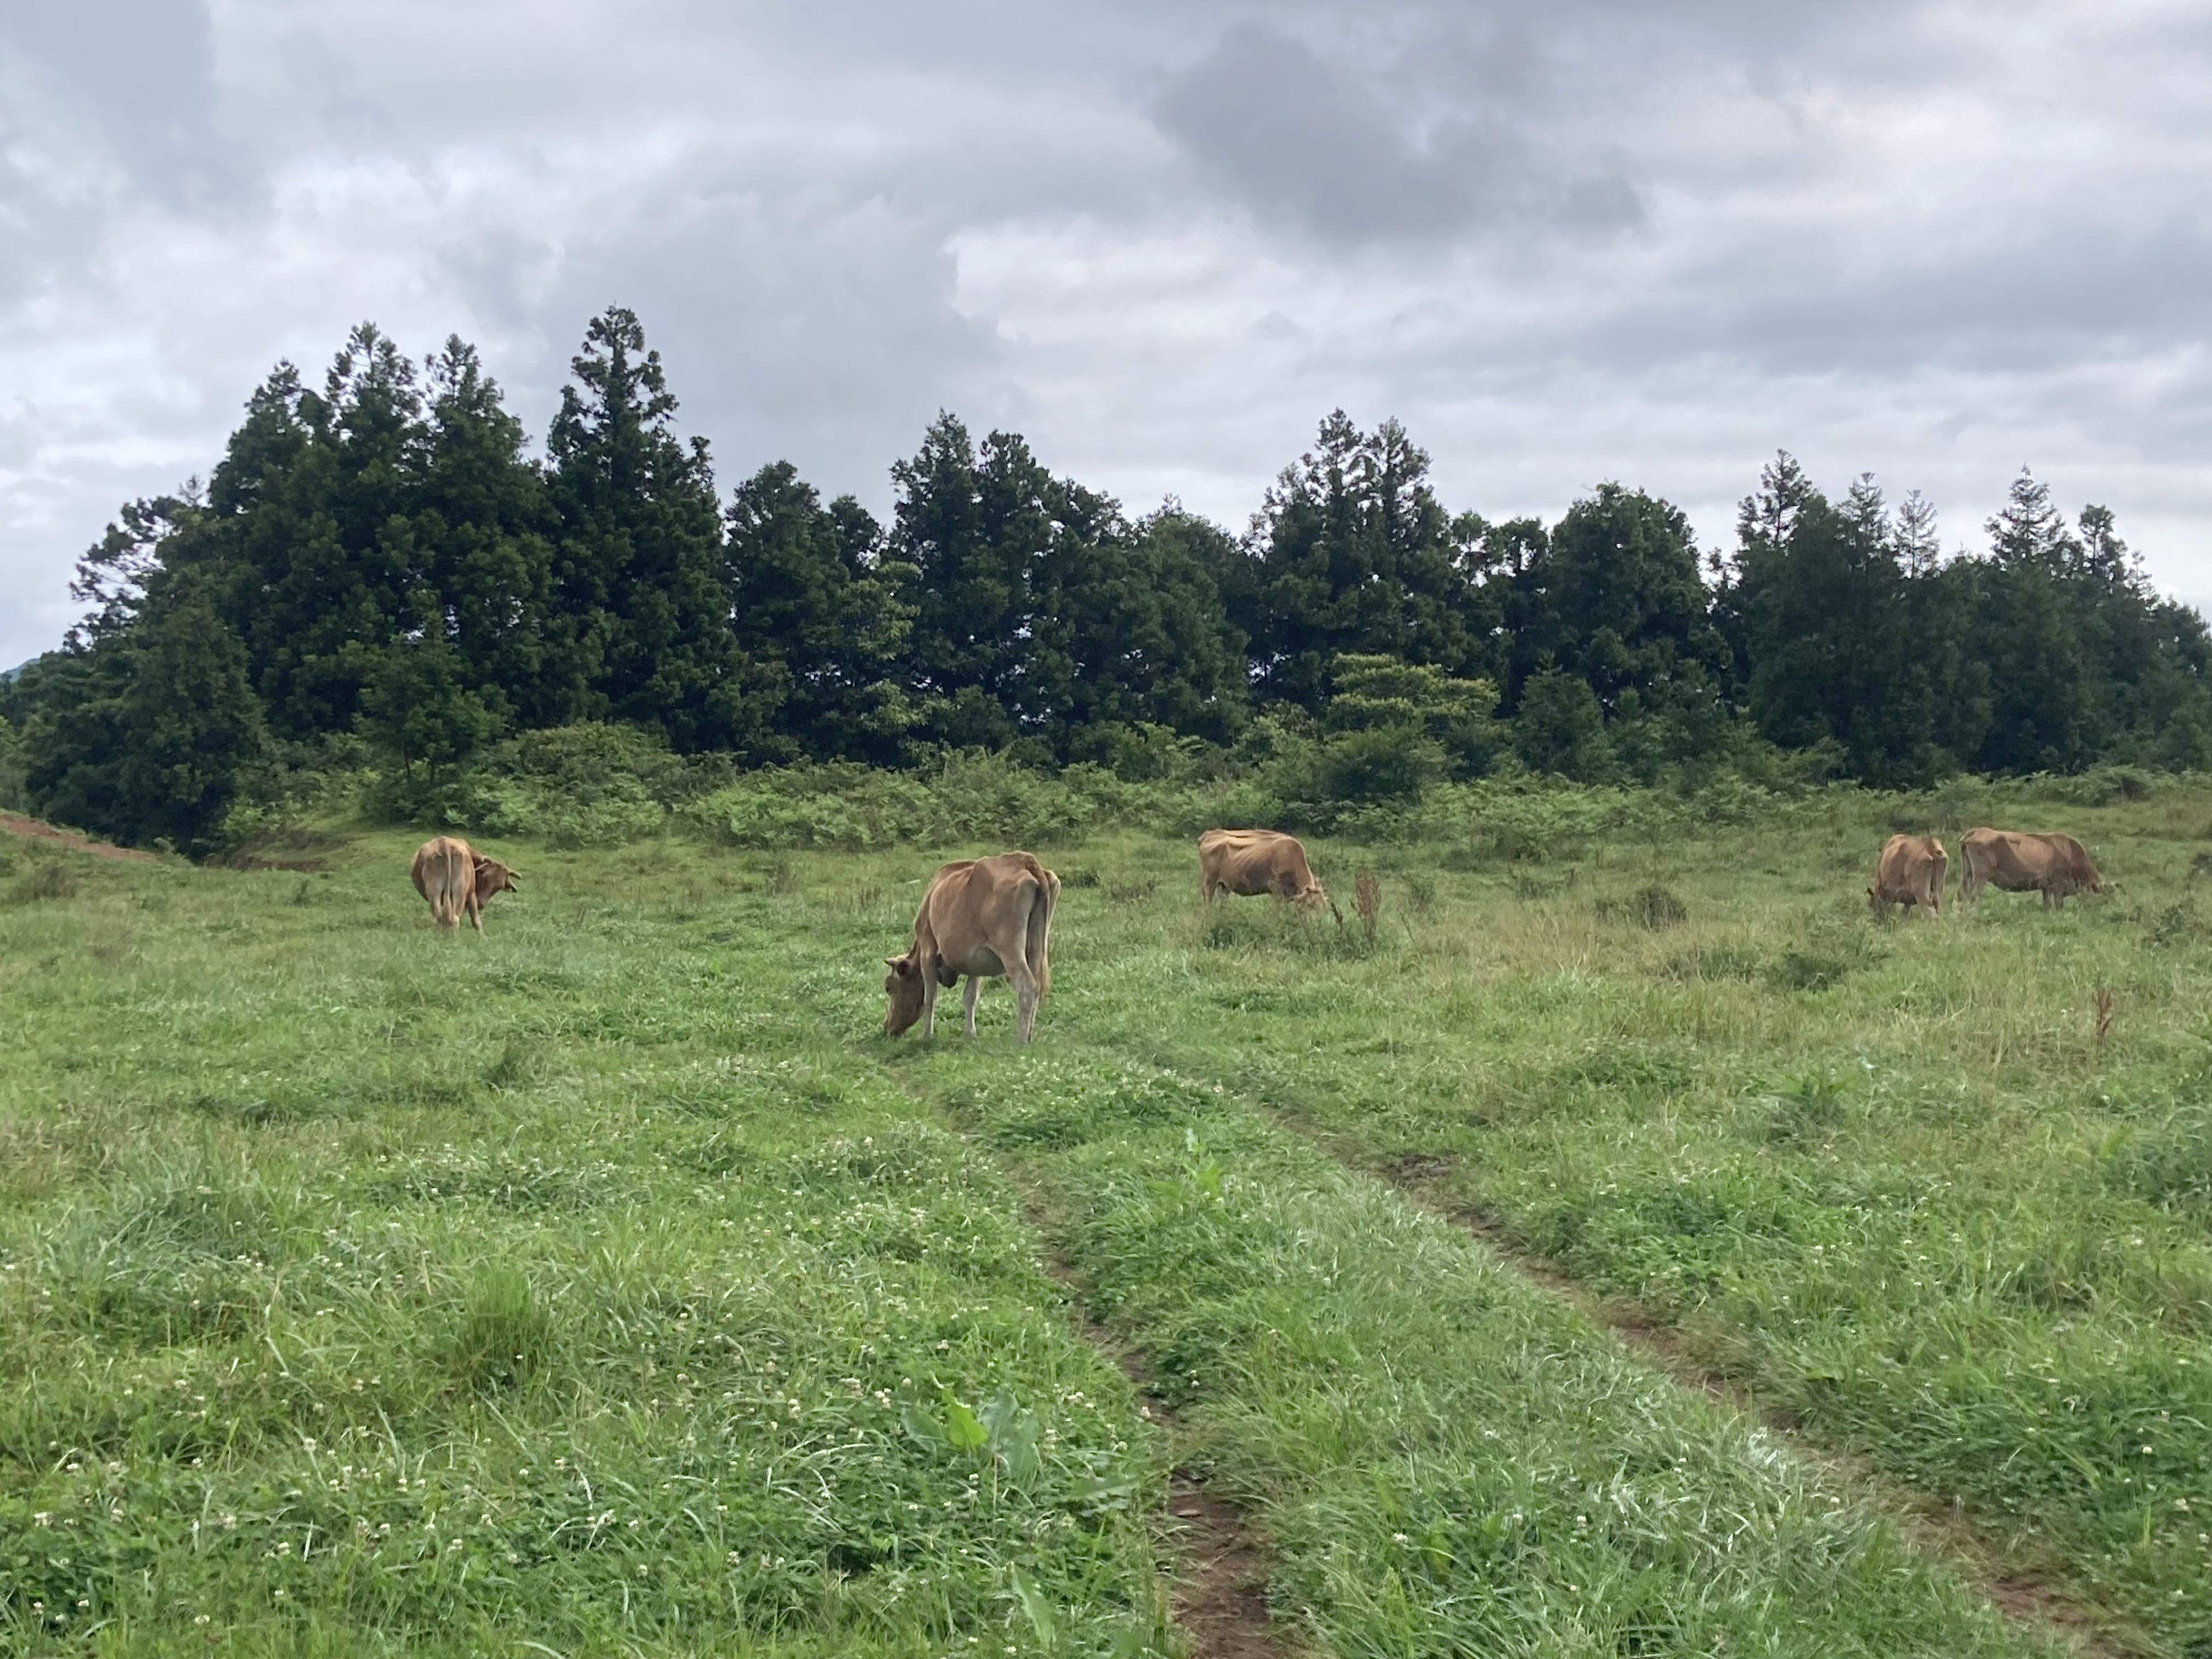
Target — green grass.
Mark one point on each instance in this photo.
(656, 1304)
(363, 1290)
(1884, 1177)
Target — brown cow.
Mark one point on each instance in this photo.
(981, 917)
(459, 880)
(1249, 861)
(2015, 862)
(1910, 872)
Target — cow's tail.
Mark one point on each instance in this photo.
(1038, 944)
(451, 878)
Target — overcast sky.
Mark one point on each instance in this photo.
(1589, 239)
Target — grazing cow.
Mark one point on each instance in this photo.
(1910, 872)
(2014, 862)
(459, 880)
(1250, 861)
(981, 917)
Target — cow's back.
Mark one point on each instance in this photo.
(969, 901)
(1253, 861)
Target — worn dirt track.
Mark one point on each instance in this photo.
(1942, 1531)
(34, 830)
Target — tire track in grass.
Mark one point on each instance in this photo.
(1941, 1530)
(1448, 1456)
(1219, 1598)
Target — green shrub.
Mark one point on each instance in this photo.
(592, 785)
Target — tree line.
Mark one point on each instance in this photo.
(383, 559)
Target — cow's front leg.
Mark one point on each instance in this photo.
(928, 1002)
(968, 1000)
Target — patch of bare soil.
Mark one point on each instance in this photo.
(34, 829)
(1939, 1529)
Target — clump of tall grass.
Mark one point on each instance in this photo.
(1655, 906)
(49, 878)
(504, 1335)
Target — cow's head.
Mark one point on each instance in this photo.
(903, 986)
(1316, 898)
(493, 876)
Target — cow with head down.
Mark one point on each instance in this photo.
(985, 918)
(458, 881)
(1252, 861)
(1909, 872)
(2014, 861)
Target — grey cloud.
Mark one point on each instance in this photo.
(1597, 238)
(135, 77)
(1309, 140)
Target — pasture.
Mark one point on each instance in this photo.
(609, 1285)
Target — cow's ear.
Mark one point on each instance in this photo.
(895, 964)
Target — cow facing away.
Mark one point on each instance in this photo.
(458, 880)
(2014, 861)
(981, 917)
(1910, 872)
(1251, 861)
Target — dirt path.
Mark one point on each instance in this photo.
(1219, 1598)
(35, 830)
(1942, 1531)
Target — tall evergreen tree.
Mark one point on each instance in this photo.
(2043, 715)
(1615, 597)
(1129, 629)
(305, 526)
(154, 732)
(975, 523)
(482, 527)
(1353, 553)
(1827, 626)
(644, 616)
(821, 609)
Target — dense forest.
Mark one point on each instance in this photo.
(379, 572)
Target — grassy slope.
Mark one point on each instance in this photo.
(274, 1141)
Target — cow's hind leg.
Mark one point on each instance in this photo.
(1027, 992)
(968, 1000)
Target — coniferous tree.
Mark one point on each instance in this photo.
(1826, 625)
(644, 617)
(2027, 633)
(482, 527)
(974, 524)
(1128, 630)
(158, 733)
(1615, 598)
(820, 610)
(305, 533)
(1353, 553)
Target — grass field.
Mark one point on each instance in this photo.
(609, 1284)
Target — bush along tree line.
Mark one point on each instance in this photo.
(379, 572)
